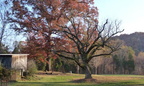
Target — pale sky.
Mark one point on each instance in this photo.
(130, 12)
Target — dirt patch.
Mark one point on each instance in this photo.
(85, 81)
(51, 73)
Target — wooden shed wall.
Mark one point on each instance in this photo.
(19, 62)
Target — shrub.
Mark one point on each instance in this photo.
(41, 65)
(5, 73)
(32, 69)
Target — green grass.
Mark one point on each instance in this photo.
(64, 80)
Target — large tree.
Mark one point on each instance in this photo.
(40, 19)
(84, 40)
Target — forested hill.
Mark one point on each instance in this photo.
(135, 40)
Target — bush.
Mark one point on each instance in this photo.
(41, 65)
(5, 73)
(32, 69)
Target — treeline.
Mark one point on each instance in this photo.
(123, 61)
(129, 59)
(134, 40)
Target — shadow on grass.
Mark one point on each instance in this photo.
(48, 84)
(123, 84)
(72, 84)
(137, 85)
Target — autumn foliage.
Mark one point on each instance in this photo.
(41, 19)
(62, 28)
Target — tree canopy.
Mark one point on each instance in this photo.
(64, 28)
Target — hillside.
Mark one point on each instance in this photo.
(135, 40)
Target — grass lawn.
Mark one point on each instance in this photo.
(65, 80)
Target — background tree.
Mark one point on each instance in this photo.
(121, 62)
(3, 21)
(124, 60)
(4, 49)
(139, 62)
(105, 64)
(7, 35)
(19, 47)
(134, 40)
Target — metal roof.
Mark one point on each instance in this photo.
(13, 54)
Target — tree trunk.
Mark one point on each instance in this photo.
(78, 69)
(50, 64)
(87, 73)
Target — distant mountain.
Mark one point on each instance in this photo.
(135, 40)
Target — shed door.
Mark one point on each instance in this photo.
(5, 61)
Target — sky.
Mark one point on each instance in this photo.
(129, 12)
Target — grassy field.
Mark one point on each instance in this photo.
(65, 80)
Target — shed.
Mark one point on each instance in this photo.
(14, 61)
